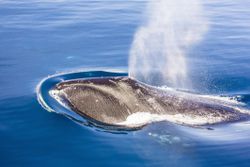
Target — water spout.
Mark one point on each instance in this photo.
(159, 49)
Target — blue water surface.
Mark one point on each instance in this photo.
(39, 38)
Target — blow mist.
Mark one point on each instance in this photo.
(160, 46)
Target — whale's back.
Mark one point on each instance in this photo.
(113, 100)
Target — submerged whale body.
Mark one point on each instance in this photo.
(125, 102)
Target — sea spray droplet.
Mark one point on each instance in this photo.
(158, 53)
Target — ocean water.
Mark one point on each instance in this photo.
(39, 38)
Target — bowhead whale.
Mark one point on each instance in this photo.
(125, 102)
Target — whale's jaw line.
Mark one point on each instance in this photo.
(125, 103)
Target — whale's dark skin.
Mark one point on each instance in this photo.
(111, 100)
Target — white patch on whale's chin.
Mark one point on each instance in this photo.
(143, 118)
(56, 95)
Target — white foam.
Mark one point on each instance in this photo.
(43, 103)
(225, 99)
(229, 100)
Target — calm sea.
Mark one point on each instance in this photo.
(44, 37)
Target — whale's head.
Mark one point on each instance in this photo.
(109, 101)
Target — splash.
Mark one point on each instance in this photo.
(160, 46)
